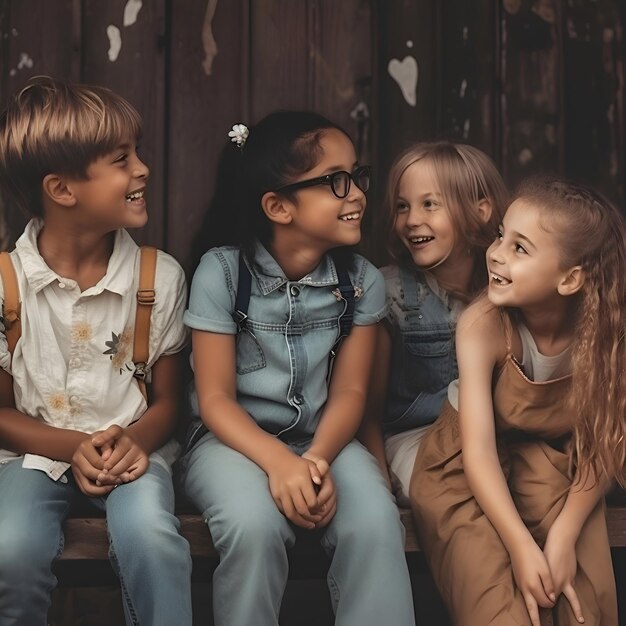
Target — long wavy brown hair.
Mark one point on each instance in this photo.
(591, 232)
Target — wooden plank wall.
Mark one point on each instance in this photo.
(538, 84)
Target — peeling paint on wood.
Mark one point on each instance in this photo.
(405, 73)
(115, 42)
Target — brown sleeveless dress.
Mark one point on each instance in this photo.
(469, 563)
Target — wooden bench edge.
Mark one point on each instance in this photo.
(86, 537)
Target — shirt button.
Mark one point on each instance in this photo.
(298, 399)
(61, 285)
(74, 400)
(75, 362)
(294, 290)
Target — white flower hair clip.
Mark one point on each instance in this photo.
(239, 134)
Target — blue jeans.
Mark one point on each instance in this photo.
(151, 558)
(368, 577)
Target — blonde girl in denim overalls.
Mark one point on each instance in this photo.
(444, 203)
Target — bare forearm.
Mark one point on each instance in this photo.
(232, 425)
(488, 485)
(155, 426)
(23, 434)
(338, 425)
(581, 500)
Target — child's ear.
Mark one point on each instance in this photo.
(572, 281)
(56, 188)
(484, 210)
(276, 208)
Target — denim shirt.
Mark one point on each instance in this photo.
(421, 322)
(282, 355)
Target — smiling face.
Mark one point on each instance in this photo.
(112, 196)
(423, 222)
(318, 217)
(524, 263)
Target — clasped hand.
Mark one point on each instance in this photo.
(542, 576)
(303, 489)
(107, 459)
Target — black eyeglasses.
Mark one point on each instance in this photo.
(339, 181)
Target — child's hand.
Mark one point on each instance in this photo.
(532, 576)
(125, 460)
(560, 554)
(327, 494)
(87, 464)
(318, 469)
(293, 490)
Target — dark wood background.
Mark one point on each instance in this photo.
(537, 84)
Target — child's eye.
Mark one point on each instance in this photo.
(401, 206)
(499, 235)
(430, 205)
(122, 158)
(520, 248)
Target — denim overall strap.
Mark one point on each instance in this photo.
(345, 291)
(242, 299)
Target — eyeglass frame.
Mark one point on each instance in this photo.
(327, 179)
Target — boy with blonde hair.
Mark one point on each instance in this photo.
(74, 423)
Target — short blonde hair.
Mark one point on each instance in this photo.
(53, 126)
(465, 176)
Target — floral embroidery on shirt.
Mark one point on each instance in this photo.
(58, 402)
(120, 350)
(81, 332)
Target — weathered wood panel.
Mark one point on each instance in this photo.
(594, 93)
(29, 50)
(202, 107)
(468, 73)
(531, 99)
(136, 71)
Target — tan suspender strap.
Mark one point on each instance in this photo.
(145, 302)
(11, 308)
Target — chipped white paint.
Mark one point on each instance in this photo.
(115, 42)
(463, 88)
(131, 10)
(14, 32)
(405, 73)
(208, 40)
(360, 112)
(25, 61)
(409, 44)
(466, 129)
(13, 72)
(525, 156)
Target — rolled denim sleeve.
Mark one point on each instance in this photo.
(211, 300)
(371, 306)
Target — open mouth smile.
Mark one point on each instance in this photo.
(136, 195)
(498, 280)
(421, 239)
(349, 217)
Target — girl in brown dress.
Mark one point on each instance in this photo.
(507, 491)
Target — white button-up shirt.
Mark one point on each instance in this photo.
(72, 366)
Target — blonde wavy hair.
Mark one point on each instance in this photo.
(52, 126)
(465, 176)
(591, 232)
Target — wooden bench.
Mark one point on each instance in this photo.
(86, 544)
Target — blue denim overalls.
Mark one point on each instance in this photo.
(423, 355)
(282, 362)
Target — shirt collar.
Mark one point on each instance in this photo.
(270, 275)
(39, 275)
